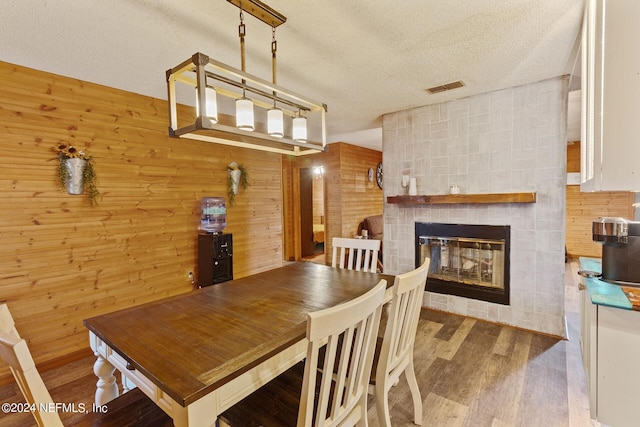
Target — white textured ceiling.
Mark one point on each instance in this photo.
(361, 58)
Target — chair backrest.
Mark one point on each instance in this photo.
(355, 254)
(349, 332)
(14, 351)
(402, 324)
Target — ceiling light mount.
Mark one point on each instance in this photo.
(256, 8)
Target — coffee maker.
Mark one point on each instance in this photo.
(620, 239)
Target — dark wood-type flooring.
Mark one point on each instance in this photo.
(470, 372)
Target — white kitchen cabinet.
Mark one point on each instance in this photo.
(610, 340)
(610, 96)
(618, 374)
(588, 339)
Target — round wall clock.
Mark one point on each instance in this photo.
(379, 175)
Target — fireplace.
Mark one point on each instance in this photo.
(466, 260)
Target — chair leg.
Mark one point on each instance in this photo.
(363, 421)
(410, 373)
(382, 403)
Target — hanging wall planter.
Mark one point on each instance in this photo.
(235, 180)
(75, 170)
(237, 177)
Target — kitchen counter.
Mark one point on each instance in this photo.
(610, 342)
(600, 291)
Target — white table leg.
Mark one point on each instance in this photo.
(106, 387)
(200, 413)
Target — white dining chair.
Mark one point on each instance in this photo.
(133, 408)
(395, 349)
(355, 254)
(343, 337)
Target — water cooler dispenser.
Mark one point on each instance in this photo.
(215, 248)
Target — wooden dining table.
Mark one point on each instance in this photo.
(197, 354)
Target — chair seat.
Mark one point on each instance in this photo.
(275, 404)
(130, 409)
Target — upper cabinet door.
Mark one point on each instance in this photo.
(611, 96)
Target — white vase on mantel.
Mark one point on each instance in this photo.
(235, 179)
(413, 187)
(74, 180)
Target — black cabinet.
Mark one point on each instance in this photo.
(215, 258)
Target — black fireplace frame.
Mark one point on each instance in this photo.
(495, 232)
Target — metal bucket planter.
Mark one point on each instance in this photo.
(235, 179)
(75, 175)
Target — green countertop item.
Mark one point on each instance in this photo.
(601, 292)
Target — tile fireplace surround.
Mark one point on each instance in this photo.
(507, 141)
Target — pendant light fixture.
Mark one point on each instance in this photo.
(300, 128)
(244, 106)
(211, 104)
(275, 122)
(275, 116)
(243, 110)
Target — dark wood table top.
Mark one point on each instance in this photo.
(191, 344)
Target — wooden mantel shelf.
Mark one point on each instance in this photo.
(448, 199)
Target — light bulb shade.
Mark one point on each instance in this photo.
(244, 114)
(211, 105)
(300, 129)
(275, 122)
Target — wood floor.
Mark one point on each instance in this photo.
(470, 372)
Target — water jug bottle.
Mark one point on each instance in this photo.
(214, 214)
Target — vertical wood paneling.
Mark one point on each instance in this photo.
(583, 208)
(288, 205)
(348, 195)
(361, 197)
(62, 260)
(333, 201)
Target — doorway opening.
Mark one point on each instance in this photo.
(312, 214)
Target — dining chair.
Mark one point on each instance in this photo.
(345, 336)
(355, 254)
(133, 408)
(394, 351)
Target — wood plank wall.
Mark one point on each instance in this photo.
(361, 197)
(583, 208)
(349, 196)
(62, 260)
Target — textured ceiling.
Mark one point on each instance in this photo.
(362, 58)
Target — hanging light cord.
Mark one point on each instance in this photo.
(274, 49)
(241, 33)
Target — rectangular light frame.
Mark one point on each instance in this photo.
(201, 70)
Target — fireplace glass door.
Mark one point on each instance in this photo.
(467, 261)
